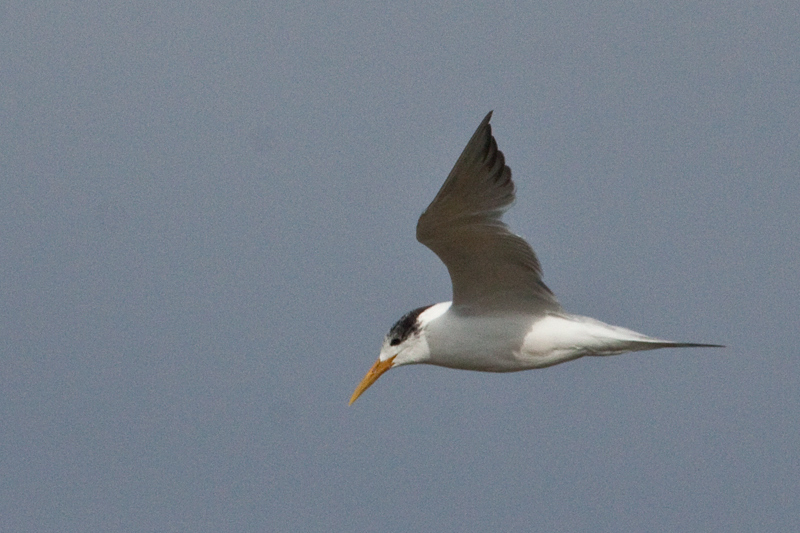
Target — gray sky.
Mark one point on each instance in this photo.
(207, 218)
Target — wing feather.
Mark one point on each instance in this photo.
(492, 270)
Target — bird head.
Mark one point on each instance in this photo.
(405, 344)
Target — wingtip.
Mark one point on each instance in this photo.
(698, 345)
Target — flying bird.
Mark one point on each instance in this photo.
(502, 318)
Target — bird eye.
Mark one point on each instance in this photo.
(394, 342)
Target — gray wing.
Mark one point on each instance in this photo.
(492, 270)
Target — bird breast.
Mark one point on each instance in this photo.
(484, 343)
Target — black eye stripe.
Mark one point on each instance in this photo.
(394, 342)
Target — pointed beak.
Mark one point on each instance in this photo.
(372, 376)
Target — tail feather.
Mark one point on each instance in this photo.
(641, 345)
(694, 345)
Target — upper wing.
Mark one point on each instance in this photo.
(492, 270)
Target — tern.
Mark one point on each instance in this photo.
(502, 318)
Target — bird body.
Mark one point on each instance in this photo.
(512, 342)
(502, 318)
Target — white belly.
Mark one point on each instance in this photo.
(511, 343)
(489, 344)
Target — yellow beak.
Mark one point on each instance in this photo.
(372, 376)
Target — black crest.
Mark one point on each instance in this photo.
(406, 326)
